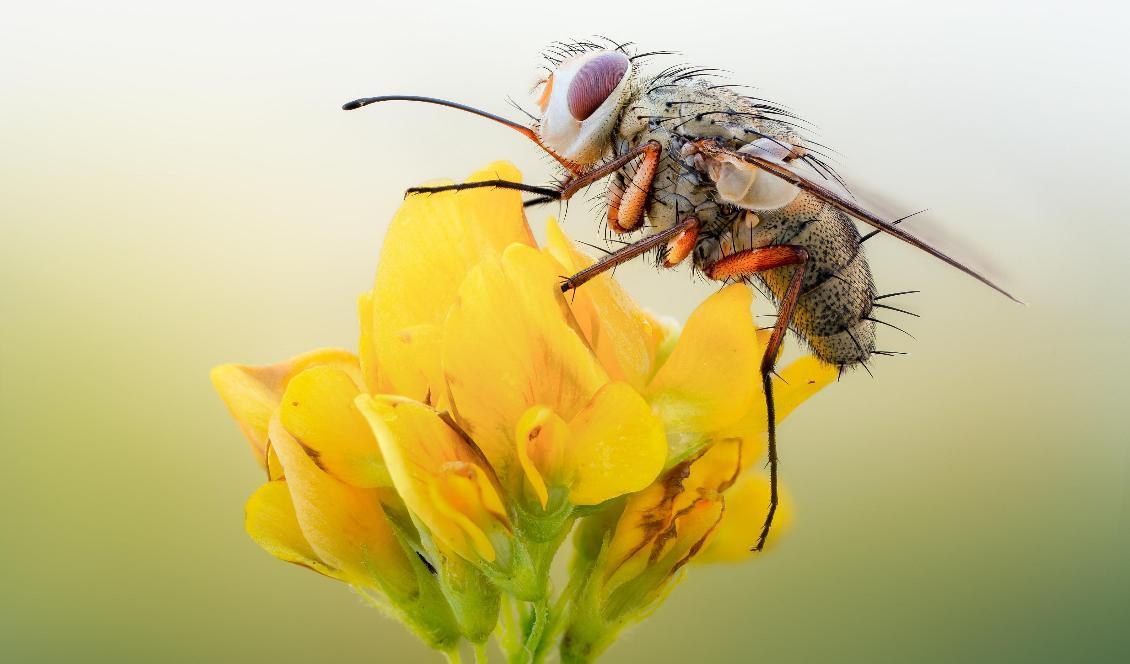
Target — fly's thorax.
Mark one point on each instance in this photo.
(675, 115)
(697, 110)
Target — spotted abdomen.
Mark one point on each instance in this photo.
(837, 293)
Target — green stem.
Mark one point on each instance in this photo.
(510, 629)
(556, 619)
(537, 630)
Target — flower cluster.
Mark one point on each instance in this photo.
(486, 417)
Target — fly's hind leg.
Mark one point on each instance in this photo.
(743, 264)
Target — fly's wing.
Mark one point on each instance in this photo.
(834, 194)
(927, 229)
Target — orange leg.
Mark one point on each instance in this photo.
(743, 264)
(626, 207)
(681, 245)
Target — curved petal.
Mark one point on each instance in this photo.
(616, 446)
(803, 378)
(344, 525)
(270, 521)
(543, 439)
(646, 514)
(431, 244)
(462, 493)
(508, 344)
(712, 473)
(684, 536)
(367, 355)
(710, 379)
(746, 505)
(622, 335)
(253, 393)
(798, 381)
(428, 461)
(318, 410)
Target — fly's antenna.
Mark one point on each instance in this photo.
(521, 129)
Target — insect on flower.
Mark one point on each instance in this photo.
(723, 179)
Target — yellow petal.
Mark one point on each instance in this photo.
(621, 334)
(509, 343)
(367, 355)
(462, 493)
(694, 527)
(542, 438)
(253, 393)
(317, 409)
(800, 380)
(271, 522)
(344, 525)
(680, 539)
(273, 465)
(616, 446)
(711, 377)
(650, 519)
(746, 505)
(431, 244)
(646, 514)
(712, 473)
(419, 354)
(425, 455)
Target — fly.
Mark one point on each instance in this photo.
(724, 180)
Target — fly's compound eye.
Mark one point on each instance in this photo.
(593, 83)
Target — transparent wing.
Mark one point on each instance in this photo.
(830, 190)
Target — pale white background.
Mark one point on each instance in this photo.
(178, 188)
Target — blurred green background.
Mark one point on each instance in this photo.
(179, 190)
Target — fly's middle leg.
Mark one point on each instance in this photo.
(675, 242)
(743, 264)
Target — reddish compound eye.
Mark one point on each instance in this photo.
(595, 80)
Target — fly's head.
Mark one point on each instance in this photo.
(580, 103)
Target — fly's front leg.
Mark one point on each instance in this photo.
(554, 194)
(743, 264)
(565, 190)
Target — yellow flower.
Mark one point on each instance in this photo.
(322, 504)
(485, 412)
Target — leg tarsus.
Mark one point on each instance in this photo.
(767, 387)
(743, 264)
(546, 192)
